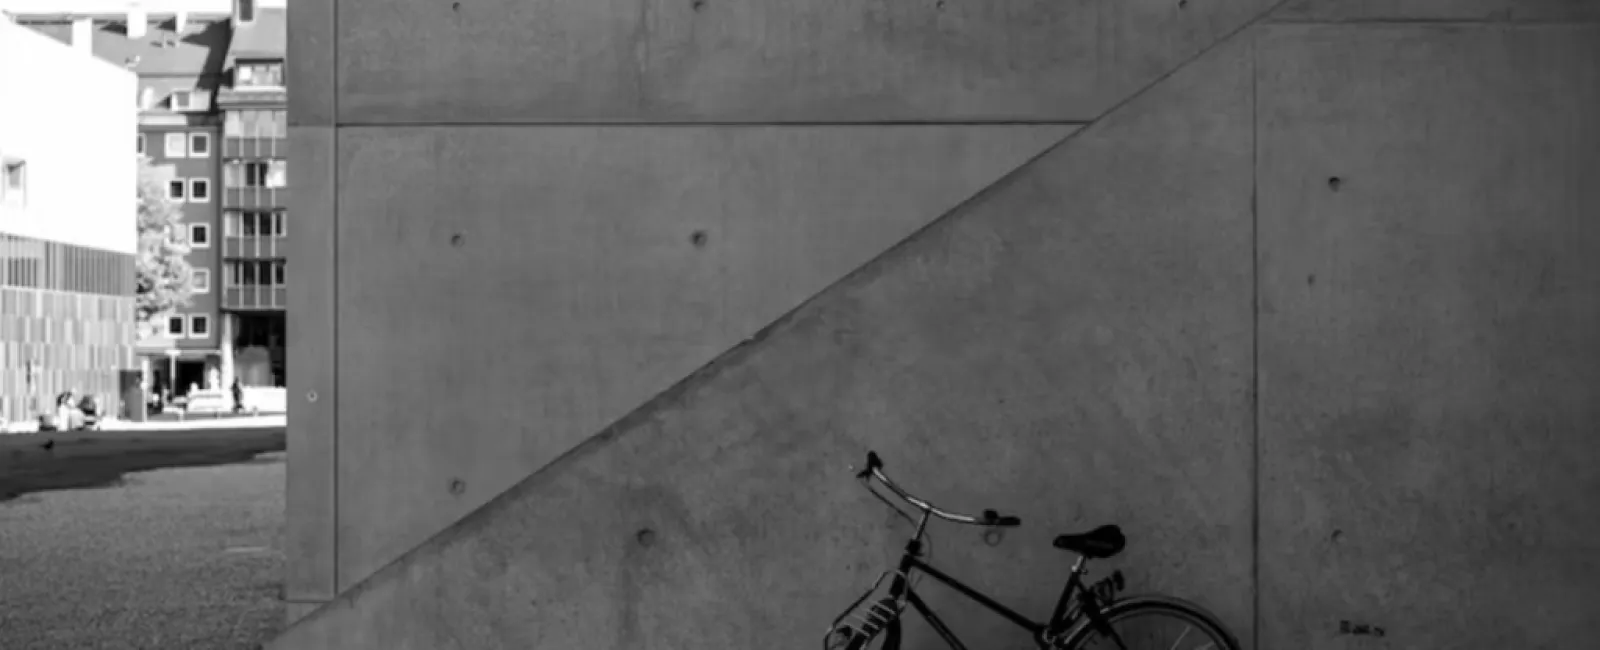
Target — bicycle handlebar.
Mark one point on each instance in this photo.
(874, 469)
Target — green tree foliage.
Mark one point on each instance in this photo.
(166, 280)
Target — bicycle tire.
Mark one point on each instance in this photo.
(1137, 605)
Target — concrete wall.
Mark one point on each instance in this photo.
(72, 118)
(593, 266)
(1306, 401)
(1427, 333)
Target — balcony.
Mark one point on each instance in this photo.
(253, 147)
(254, 247)
(254, 298)
(237, 98)
(254, 198)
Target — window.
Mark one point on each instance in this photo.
(256, 123)
(199, 145)
(202, 280)
(270, 174)
(199, 326)
(181, 100)
(199, 190)
(177, 190)
(176, 325)
(256, 273)
(254, 224)
(258, 74)
(140, 146)
(177, 146)
(277, 173)
(199, 235)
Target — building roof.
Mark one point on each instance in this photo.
(113, 7)
(200, 50)
(265, 37)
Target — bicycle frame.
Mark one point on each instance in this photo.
(1062, 619)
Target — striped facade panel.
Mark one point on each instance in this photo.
(67, 322)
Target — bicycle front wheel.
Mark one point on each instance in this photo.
(1153, 622)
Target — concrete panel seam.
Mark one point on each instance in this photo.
(1255, 349)
(725, 124)
(1443, 22)
(333, 279)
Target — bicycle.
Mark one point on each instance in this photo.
(1082, 615)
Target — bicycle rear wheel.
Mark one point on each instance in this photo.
(1154, 622)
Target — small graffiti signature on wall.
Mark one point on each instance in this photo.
(1360, 629)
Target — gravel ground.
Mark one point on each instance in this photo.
(172, 559)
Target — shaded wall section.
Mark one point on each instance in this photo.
(1073, 344)
(1430, 325)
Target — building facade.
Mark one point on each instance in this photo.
(254, 104)
(208, 102)
(68, 223)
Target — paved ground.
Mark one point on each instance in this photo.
(165, 421)
(172, 559)
(48, 461)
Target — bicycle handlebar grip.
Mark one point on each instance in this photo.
(992, 518)
(873, 462)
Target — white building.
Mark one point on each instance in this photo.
(68, 222)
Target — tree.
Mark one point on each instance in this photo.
(166, 281)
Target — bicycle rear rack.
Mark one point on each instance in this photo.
(860, 623)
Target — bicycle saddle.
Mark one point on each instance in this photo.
(1100, 543)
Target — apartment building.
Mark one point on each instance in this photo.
(68, 224)
(255, 139)
(212, 106)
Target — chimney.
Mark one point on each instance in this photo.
(83, 34)
(244, 12)
(137, 23)
(180, 21)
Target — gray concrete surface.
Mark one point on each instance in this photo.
(175, 559)
(580, 317)
(754, 61)
(1307, 402)
(933, 338)
(1429, 334)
